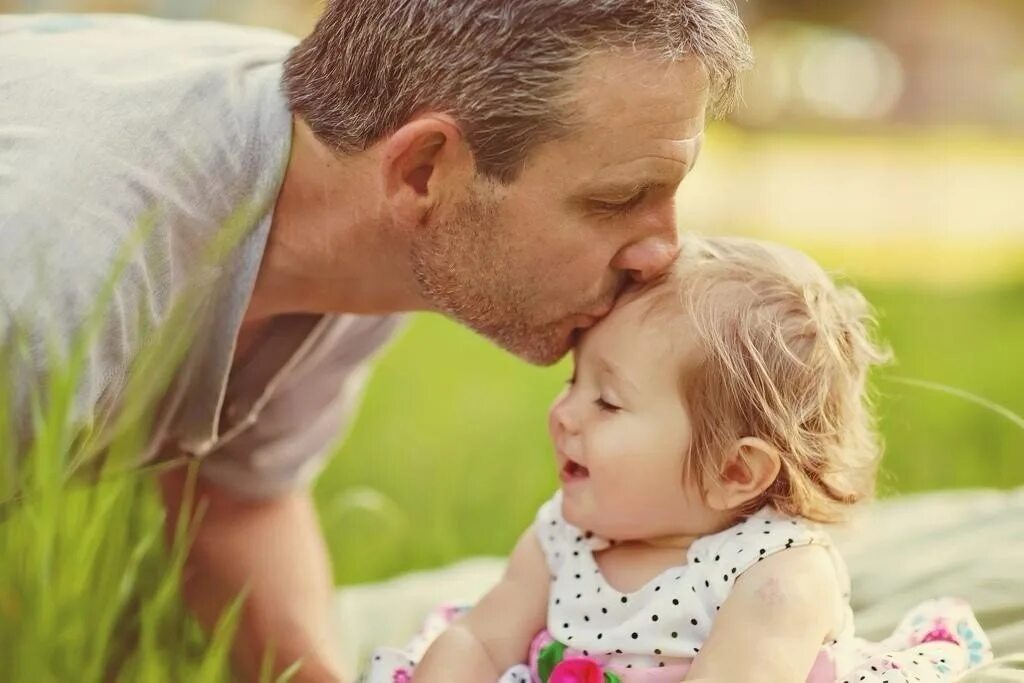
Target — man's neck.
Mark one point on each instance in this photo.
(331, 247)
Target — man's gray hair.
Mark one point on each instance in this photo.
(501, 68)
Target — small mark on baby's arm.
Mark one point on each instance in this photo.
(770, 592)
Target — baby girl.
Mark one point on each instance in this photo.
(715, 424)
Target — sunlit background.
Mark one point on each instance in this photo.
(887, 138)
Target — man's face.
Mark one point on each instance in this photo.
(529, 263)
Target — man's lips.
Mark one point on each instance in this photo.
(584, 321)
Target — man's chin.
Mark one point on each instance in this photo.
(540, 354)
(544, 359)
(544, 348)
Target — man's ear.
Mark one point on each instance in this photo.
(424, 163)
(749, 468)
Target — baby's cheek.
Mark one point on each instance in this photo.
(648, 481)
(626, 484)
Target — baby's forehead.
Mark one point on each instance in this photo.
(645, 326)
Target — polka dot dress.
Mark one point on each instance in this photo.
(671, 616)
(651, 635)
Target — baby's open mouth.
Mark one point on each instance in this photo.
(573, 471)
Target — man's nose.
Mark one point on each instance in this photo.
(648, 258)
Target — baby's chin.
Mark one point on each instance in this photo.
(586, 515)
(573, 515)
(581, 515)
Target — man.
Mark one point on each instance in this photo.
(509, 163)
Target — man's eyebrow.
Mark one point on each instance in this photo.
(653, 177)
(628, 188)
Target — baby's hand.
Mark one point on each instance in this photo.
(496, 634)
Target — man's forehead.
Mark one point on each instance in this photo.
(626, 156)
(657, 160)
(626, 89)
(625, 127)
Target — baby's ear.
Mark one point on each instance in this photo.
(750, 466)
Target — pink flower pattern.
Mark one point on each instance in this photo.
(940, 634)
(577, 670)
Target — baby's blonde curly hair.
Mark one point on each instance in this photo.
(784, 357)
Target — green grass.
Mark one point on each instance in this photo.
(450, 456)
(972, 341)
(89, 591)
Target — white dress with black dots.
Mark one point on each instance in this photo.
(651, 635)
(665, 622)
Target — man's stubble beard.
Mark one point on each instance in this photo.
(465, 271)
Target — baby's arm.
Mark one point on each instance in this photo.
(774, 622)
(497, 632)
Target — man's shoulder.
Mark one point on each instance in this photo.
(113, 34)
(83, 85)
(96, 69)
(116, 122)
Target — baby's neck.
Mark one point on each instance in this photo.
(630, 565)
(683, 541)
(680, 542)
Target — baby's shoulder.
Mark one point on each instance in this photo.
(757, 536)
(795, 591)
(722, 558)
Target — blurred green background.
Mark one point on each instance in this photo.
(886, 138)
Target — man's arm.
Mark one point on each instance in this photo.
(275, 550)
(774, 622)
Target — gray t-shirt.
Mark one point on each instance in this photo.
(158, 148)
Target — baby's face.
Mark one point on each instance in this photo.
(621, 429)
